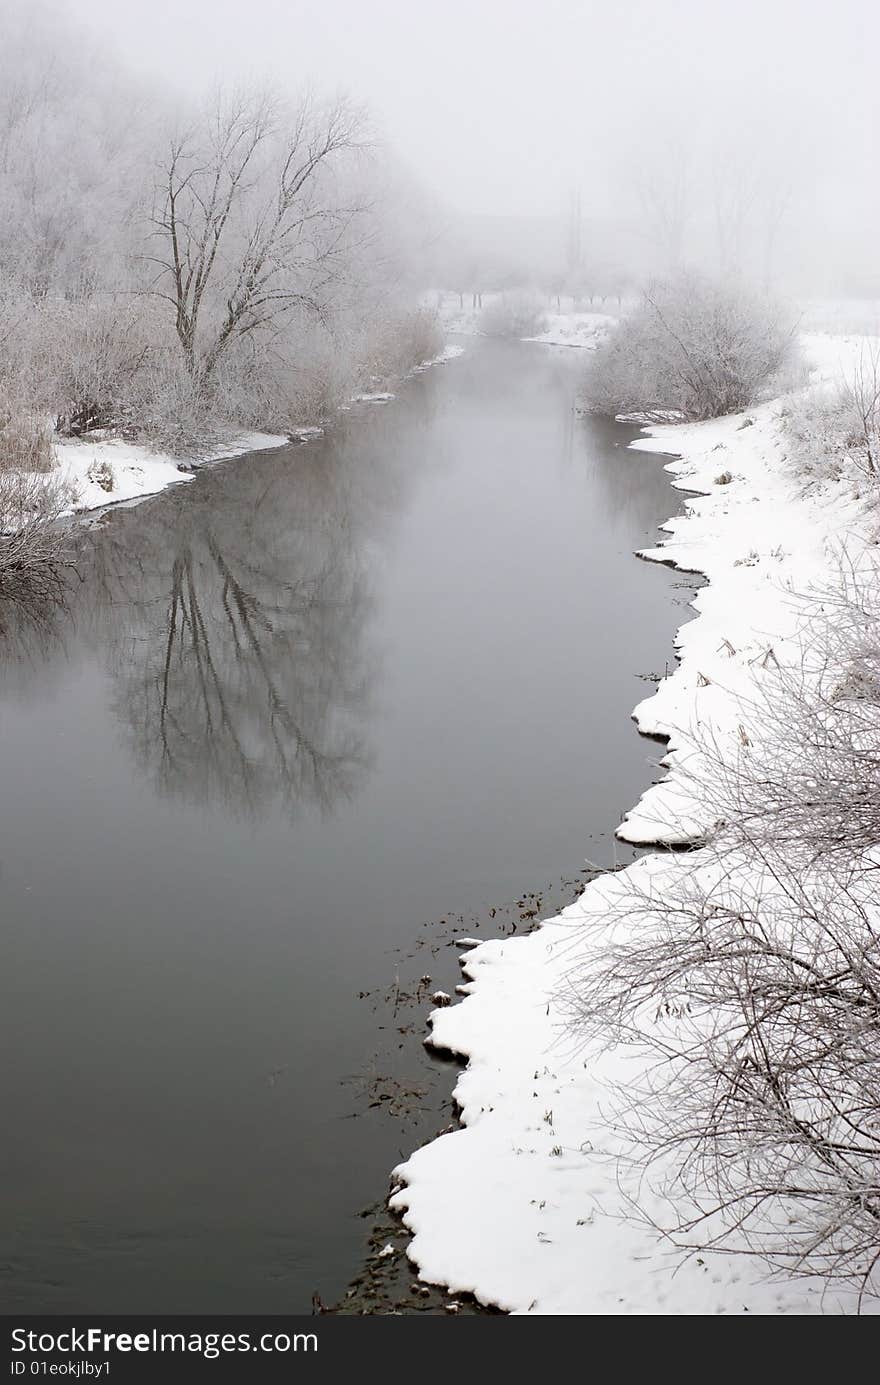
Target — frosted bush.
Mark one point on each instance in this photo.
(752, 976)
(834, 430)
(397, 341)
(99, 352)
(692, 349)
(25, 441)
(173, 413)
(103, 475)
(31, 538)
(519, 314)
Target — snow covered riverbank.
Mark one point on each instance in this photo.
(529, 1204)
(578, 329)
(100, 470)
(585, 330)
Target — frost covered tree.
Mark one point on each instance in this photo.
(252, 270)
(68, 164)
(251, 222)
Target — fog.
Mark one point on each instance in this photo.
(375, 667)
(635, 137)
(765, 112)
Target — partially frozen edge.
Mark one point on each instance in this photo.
(449, 353)
(524, 1205)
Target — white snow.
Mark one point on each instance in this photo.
(306, 432)
(133, 472)
(449, 353)
(584, 329)
(526, 1205)
(574, 329)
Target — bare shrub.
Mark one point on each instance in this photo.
(317, 384)
(170, 411)
(317, 367)
(25, 441)
(519, 314)
(101, 348)
(32, 542)
(396, 341)
(419, 338)
(88, 363)
(834, 431)
(749, 974)
(102, 474)
(309, 375)
(693, 349)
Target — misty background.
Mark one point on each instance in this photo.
(728, 136)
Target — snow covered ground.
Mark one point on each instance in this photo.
(105, 470)
(574, 329)
(584, 329)
(526, 1205)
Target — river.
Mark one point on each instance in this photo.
(285, 718)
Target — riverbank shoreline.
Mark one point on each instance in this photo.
(357, 560)
(524, 1206)
(385, 1281)
(101, 471)
(577, 328)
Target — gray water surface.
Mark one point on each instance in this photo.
(288, 714)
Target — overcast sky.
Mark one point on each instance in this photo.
(500, 103)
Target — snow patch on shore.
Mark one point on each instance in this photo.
(449, 353)
(527, 1205)
(585, 330)
(105, 471)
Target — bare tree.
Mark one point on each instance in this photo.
(250, 222)
(663, 188)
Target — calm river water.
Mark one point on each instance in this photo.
(286, 716)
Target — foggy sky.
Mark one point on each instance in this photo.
(504, 107)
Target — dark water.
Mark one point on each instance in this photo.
(288, 714)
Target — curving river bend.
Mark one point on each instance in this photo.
(285, 717)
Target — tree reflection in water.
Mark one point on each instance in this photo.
(239, 695)
(248, 686)
(231, 617)
(33, 623)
